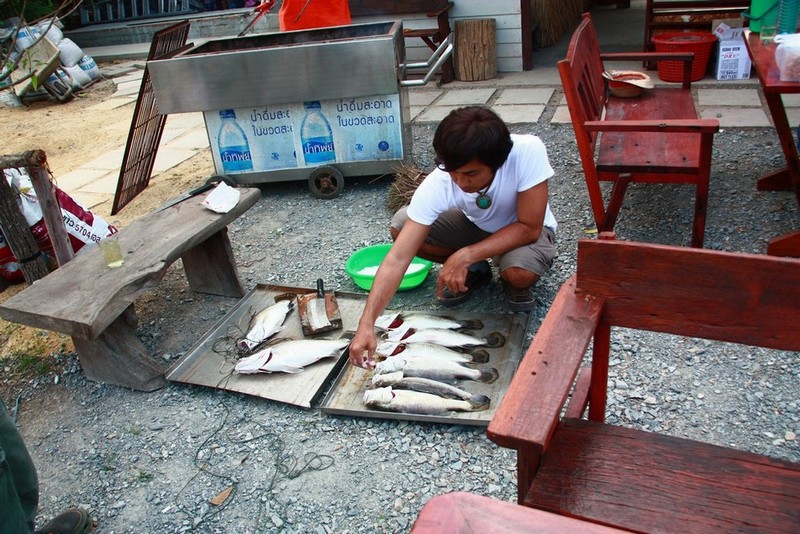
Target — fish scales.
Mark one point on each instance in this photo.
(429, 350)
(447, 338)
(426, 385)
(414, 402)
(265, 324)
(442, 370)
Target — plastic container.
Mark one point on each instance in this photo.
(761, 13)
(362, 265)
(701, 43)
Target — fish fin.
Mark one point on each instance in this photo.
(488, 376)
(291, 369)
(479, 356)
(495, 339)
(479, 402)
(471, 324)
(286, 296)
(348, 334)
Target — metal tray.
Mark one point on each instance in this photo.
(345, 396)
(205, 364)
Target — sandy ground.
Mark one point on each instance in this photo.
(71, 134)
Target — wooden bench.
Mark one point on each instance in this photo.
(629, 478)
(434, 9)
(464, 513)
(94, 303)
(654, 138)
(680, 15)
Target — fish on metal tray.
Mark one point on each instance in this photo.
(430, 350)
(291, 355)
(441, 370)
(421, 321)
(415, 402)
(265, 324)
(425, 385)
(446, 338)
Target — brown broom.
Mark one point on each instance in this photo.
(406, 180)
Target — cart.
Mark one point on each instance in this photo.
(317, 105)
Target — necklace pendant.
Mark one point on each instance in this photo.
(483, 201)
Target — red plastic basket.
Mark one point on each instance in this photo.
(701, 43)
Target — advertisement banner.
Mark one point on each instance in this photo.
(305, 134)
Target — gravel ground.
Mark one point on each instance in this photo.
(150, 462)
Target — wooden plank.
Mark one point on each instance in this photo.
(725, 296)
(211, 268)
(466, 513)
(533, 402)
(84, 296)
(650, 482)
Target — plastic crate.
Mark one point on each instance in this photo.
(701, 43)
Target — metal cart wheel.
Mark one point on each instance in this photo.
(326, 182)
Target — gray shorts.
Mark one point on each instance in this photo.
(453, 230)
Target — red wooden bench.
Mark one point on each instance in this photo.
(655, 138)
(466, 513)
(629, 478)
(434, 9)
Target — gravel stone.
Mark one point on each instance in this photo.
(86, 441)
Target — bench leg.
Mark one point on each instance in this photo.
(210, 267)
(118, 357)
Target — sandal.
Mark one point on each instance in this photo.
(519, 299)
(478, 276)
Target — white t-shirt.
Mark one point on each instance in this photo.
(527, 165)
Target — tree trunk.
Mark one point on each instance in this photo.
(476, 50)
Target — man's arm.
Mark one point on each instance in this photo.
(531, 208)
(387, 280)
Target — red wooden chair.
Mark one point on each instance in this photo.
(654, 138)
(633, 479)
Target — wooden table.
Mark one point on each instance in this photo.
(95, 304)
(787, 178)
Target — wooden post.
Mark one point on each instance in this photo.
(51, 212)
(476, 50)
(33, 263)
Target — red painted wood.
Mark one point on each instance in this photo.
(656, 483)
(740, 298)
(532, 404)
(466, 513)
(655, 138)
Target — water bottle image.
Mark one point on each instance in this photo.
(234, 150)
(316, 136)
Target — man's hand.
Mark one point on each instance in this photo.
(362, 348)
(453, 273)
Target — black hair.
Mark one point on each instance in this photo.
(468, 133)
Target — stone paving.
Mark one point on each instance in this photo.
(520, 97)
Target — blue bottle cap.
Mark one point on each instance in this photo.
(313, 104)
(227, 114)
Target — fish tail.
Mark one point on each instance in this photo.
(479, 402)
(495, 339)
(479, 356)
(472, 324)
(488, 376)
(348, 334)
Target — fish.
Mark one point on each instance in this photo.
(446, 338)
(425, 385)
(430, 350)
(415, 402)
(421, 321)
(291, 355)
(441, 370)
(265, 324)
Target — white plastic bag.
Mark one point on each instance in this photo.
(51, 31)
(80, 78)
(88, 65)
(70, 53)
(787, 56)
